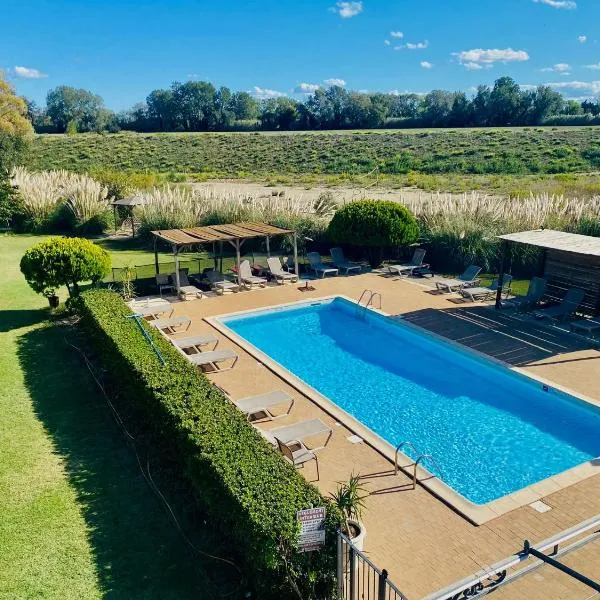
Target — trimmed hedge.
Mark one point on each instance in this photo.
(249, 491)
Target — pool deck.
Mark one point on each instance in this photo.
(424, 544)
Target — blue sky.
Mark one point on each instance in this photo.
(122, 49)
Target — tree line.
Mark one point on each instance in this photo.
(200, 106)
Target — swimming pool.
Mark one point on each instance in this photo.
(491, 430)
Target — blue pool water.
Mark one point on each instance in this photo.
(491, 431)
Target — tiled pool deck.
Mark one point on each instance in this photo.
(422, 542)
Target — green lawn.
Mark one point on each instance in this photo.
(77, 519)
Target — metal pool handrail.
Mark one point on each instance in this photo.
(398, 447)
(371, 296)
(432, 460)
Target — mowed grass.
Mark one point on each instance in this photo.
(522, 151)
(77, 518)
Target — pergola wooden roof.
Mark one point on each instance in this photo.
(219, 233)
(556, 240)
(235, 234)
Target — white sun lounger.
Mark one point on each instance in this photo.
(185, 290)
(213, 359)
(219, 284)
(483, 293)
(259, 406)
(248, 279)
(277, 271)
(298, 454)
(469, 277)
(195, 342)
(315, 264)
(407, 269)
(297, 432)
(174, 325)
(154, 310)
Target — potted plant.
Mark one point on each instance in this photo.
(53, 299)
(350, 499)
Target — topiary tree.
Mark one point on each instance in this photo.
(61, 261)
(374, 224)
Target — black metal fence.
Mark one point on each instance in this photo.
(359, 579)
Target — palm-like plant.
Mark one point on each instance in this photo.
(350, 499)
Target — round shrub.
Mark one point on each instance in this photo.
(373, 224)
(61, 261)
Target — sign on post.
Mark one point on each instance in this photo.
(312, 529)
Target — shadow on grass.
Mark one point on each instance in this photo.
(16, 319)
(137, 551)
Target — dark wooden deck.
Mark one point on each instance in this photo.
(509, 337)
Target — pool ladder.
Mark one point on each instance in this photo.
(420, 458)
(369, 296)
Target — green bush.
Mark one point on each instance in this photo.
(245, 487)
(64, 261)
(374, 224)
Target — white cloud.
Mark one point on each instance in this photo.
(487, 58)
(594, 67)
(27, 73)
(346, 10)
(397, 34)
(582, 39)
(307, 88)
(265, 93)
(417, 46)
(387, 42)
(558, 68)
(335, 81)
(588, 86)
(426, 64)
(568, 4)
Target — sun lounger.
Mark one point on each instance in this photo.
(340, 262)
(484, 293)
(195, 343)
(219, 284)
(186, 291)
(213, 359)
(537, 288)
(298, 454)
(315, 264)
(258, 407)
(248, 279)
(297, 432)
(468, 278)
(163, 283)
(570, 303)
(587, 326)
(173, 325)
(415, 264)
(278, 273)
(154, 310)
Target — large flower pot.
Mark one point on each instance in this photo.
(358, 533)
(53, 301)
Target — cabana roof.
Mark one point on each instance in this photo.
(557, 240)
(218, 233)
(131, 201)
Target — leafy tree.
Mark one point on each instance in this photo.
(481, 106)
(591, 107)
(65, 104)
(506, 102)
(244, 106)
(437, 107)
(545, 102)
(61, 261)
(161, 109)
(375, 225)
(15, 131)
(572, 107)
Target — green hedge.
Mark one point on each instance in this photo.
(246, 487)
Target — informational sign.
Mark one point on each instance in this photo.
(312, 529)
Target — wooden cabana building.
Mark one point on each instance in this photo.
(569, 260)
(235, 234)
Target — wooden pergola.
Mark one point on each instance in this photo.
(235, 234)
(569, 260)
(128, 203)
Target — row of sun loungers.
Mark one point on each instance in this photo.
(290, 439)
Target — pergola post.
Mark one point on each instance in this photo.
(237, 261)
(176, 254)
(156, 254)
(115, 216)
(296, 267)
(221, 257)
(268, 247)
(501, 275)
(132, 221)
(215, 265)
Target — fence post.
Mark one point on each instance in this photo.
(382, 585)
(340, 566)
(352, 569)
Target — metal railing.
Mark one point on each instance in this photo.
(359, 579)
(370, 295)
(421, 456)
